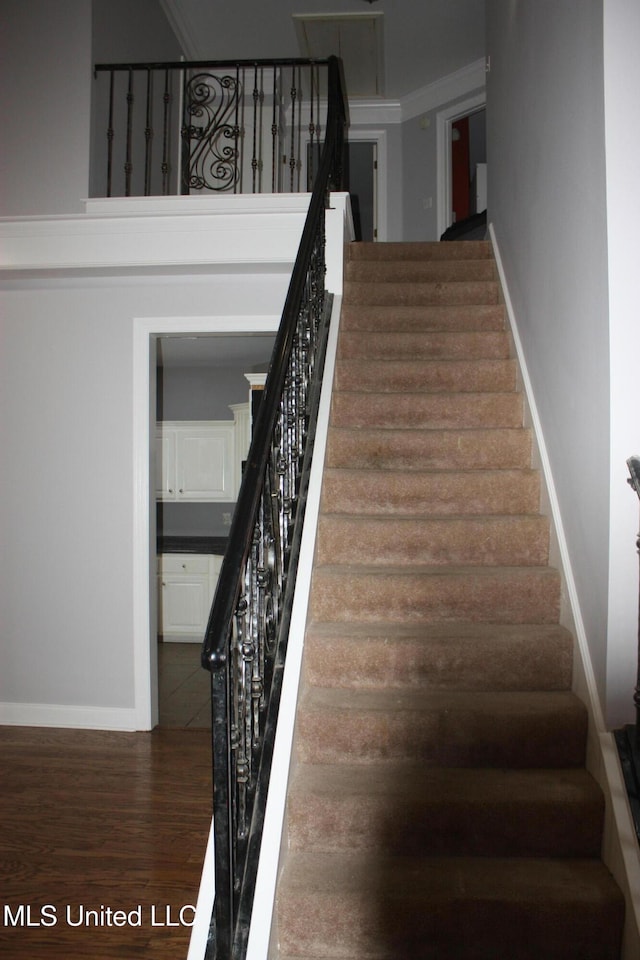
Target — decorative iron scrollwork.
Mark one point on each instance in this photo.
(210, 132)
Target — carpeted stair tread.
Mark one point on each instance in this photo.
(404, 541)
(422, 318)
(419, 375)
(442, 728)
(476, 594)
(430, 493)
(431, 410)
(458, 908)
(428, 250)
(422, 449)
(418, 271)
(422, 294)
(439, 656)
(429, 345)
(445, 811)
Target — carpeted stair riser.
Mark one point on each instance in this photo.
(446, 811)
(430, 494)
(445, 657)
(424, 345)
(443, 376)
(439, 807)
(489, 541)
(429, 449)
(443, 729)
(433, 411)
(419, 271)
(471, 250)
(421, 294)
(369, 317)
(436, 594)
(448, 908)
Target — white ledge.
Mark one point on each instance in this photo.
(151, 232)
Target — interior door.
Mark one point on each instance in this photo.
(363, 165)
(460, 180)
(360, 169)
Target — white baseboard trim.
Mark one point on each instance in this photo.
(63, 715)
(620, 850)
(554, 505)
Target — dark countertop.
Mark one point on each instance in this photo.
(216, 545)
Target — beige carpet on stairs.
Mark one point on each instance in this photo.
(439, 807)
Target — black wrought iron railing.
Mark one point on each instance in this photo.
(207, 127)
(247, 634)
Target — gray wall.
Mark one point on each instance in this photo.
(130, 31)
(45, 94)
(420, 172)
(546, 163)
(66, 516)
(200, 393)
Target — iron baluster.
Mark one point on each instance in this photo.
(254, 157)
(148, 137)
(292, 158)
(110, 135)
(128, 166)
(633, 465)
(236, 136)
(166, 101)
(275, 150)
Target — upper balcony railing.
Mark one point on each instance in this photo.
(207, 127)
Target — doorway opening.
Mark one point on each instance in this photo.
(461, 162)
(244, 335)
(364, 158)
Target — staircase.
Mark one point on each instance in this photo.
(439, 806)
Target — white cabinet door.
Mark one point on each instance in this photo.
(165, 466)
(186, 584)
(205, 463)
(195, 460)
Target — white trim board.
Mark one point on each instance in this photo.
(67, 715)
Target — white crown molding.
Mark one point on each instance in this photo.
(444, 90)
(181, 28)
(434, 95)
(374, 112)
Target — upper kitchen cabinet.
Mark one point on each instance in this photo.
(196, 460)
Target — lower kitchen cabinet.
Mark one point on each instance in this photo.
(186, 584)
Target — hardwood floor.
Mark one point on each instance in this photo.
(103, 822)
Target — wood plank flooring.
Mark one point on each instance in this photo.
(104, 822)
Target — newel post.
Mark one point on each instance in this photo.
(633, 463)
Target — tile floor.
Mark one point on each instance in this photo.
(183, 686)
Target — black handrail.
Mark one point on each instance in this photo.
(247, 632)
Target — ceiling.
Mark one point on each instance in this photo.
(250, 351)
(413, 42)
